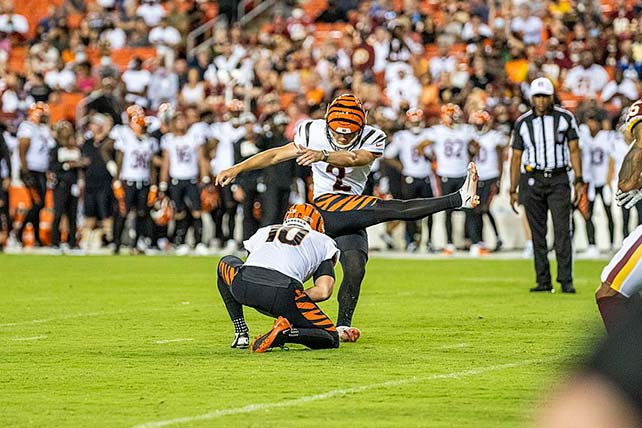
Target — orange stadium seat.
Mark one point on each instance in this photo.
(286, 99)
(17, 58)
(314, 8)
(570, 101)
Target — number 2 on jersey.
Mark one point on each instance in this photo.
(339, 174)
(283, 232)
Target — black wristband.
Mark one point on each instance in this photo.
(578, 180)
(325, 155)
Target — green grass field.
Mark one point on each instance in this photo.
(135, 341)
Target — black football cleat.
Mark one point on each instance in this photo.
(543, 289)
(241, 341)
(568, 289)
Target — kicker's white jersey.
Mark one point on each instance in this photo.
(451, 148)
(41, 142)
(597, 152)
(404, 146)
(332, 179)
(226, 134)
(487, 160)
(137, 156)
(183, 155)
(292, 250)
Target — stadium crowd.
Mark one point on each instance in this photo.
(161, 127)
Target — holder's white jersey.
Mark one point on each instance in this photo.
(137, 155)
(41, 142)
(451, 148)
(332, 179)
(487, 160)
(597, 152)
(183, 155)
(292, 250)
(404, 145)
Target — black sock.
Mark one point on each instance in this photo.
(240, 326)
(353, 263)
(415, 209)
(313, 338)
(198, 230)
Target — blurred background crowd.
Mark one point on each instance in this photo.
(243, 74)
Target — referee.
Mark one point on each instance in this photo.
(545, 142)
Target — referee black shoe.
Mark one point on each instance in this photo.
(568, 289)
(543, 289)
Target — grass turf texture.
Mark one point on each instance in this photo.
(124, 341)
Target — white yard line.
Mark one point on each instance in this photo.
(22, 339)
(453, 346)
(160, 342)
(95, 314)
(336, 392)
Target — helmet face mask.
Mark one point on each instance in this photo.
(450, 114)
(345, 120)
(305, 215)
(481, 120)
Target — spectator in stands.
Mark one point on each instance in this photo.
(136, 80)
(114, 35)
(526, 26)
(587, 78)
(163, 86)
(193, 92)
(43, 55)
(38, 89)
(166, 39)
(61, 78)
(151, 11)
(443, 61)
(622, 90)
(12, 23)
(11, 101)
(138, 37)
(85, 81)
(406, 90)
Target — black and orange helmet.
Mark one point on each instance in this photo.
(415, 115)
(135, 110)
(37, 111)
(345, 120)
(305, 215)
(450, 114)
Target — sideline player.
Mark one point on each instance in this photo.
(341, 150)
(619, 292)
(282, 257)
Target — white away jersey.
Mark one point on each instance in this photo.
(332, 179)
(597, 152)
(226, 134)
(183, 155)
(487, 160)
(292, 250)
(404, 145)
(41, 143)
(137, 156)
(451, 148)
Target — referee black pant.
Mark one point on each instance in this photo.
(541, 193)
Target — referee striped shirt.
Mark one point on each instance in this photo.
(543, 139)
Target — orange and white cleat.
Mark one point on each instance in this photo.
(348, 334)
(468, 192)
(448, 250)
(272, 338)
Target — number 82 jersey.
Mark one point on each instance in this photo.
(327, 178)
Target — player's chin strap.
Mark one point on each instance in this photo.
(628, 199)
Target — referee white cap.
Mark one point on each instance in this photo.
(542, 86)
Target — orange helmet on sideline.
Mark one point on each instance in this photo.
(37, 111)
(305, 215)
(450, 114)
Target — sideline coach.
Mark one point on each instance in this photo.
(545, 142)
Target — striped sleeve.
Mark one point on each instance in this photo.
(573, 131)
(373, 140)
(302, 134)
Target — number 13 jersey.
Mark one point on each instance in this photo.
(332, 179)
(292, 250)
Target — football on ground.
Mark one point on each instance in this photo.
(145, 342)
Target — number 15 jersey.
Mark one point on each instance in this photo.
(292, 250)
(332, 179)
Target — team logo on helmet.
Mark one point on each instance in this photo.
(345, 120)
(305, 215)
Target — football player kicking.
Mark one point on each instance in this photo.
(282, 257)
(341, 150)
(619, 292)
